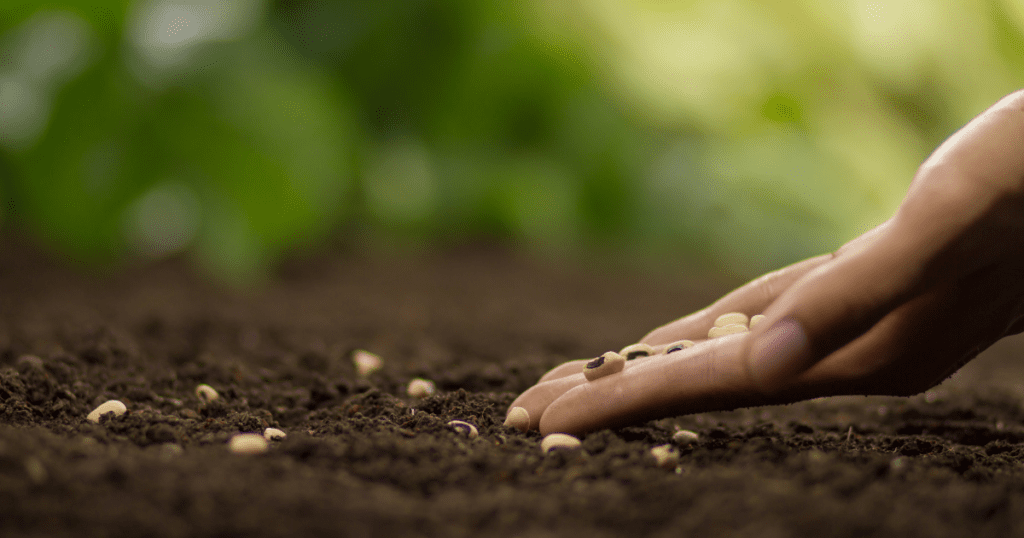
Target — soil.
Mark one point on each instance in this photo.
(361, 458)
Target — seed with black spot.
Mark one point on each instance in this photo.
(464, 428)
(421, 388)
(556, 441)
(518, 418)
(685, 437)
(666, 456)
(607, 364)
(274, 434)
(366, 363)
(110, 406)
(636, 350)
(678, 346)
(206, 393)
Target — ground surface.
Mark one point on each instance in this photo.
(484, 326)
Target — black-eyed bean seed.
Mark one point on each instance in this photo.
(678, 346)
(607, 364)
(366, 363)
(636, 350)
(464, 428)
(556, 441)
(206, 393)
(735, 328)
(756, 319)
(685, 437)
(274, 434)
(110, 406)
(666, 456)
(248, 443)
(518, 418)
(732, 318)
(421, 388)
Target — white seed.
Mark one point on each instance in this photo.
(636, 350)
(110, 406)
(206, 393)
(421, 388)
(464, 428)
(666, 456)
(366, 362)
(556, 441)
(757, 319)
(685, 437)
(248, 443)
(274, 434)
(518, 418)
(678, 346)
(732, 318)
(735, 328)
(607, 364)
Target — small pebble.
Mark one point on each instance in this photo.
(636, 350)
(248, 443)
(111, 406)
(607, 364)
(274, 434)
(685, 437)
(735, 328)
(732, 318)
(556, 441)
(679, 346)
(421, 388)
(757, 319)
(366, 362)
(518, 418)
(666, 456)
(206, 393)
(464, 428)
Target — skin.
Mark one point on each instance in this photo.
(892, 312)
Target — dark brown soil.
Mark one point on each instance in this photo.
(484, 325)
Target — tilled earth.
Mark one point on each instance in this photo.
(363, 459)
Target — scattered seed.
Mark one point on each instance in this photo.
(206, 393)
(732, 318)
(464, 428)
(666, 456)
(111, 406)
(557, 441)
(421, 388)
(685, 437)
(518, 418)
(248, 443)
(757, 319)
(679, 346)
(735, 328)
(274, 434)
(607, 364)
(636, 350)
(366, 362)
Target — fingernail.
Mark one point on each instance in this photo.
(776, 354)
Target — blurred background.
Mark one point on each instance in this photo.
(739, 135)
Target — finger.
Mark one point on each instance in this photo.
(832, 306)
(564, 369)
(537, 398)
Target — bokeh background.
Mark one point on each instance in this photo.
(737, 134)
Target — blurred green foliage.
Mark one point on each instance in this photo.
(738, 133)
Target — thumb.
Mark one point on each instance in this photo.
(832, 306)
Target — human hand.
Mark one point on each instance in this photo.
(895, 311)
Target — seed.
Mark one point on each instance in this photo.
(607, 364)
(756, 319)
(464, 428)
(685, 437)
(421, 388)
(666, 456)
(518, 418)
(636, 350)
(732, 318)
(248, 443)
(111, 406)
(557, 441)
(206, 393)
(679, 346)
(735, 328)
(274, 434)
(366, 362)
